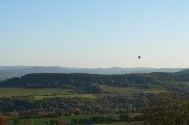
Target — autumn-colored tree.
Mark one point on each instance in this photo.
(56, 122)
(3, 119)
(169, 109)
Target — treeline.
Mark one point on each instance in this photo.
(94, 119)
(100, 119)
(27, 107)
(160, 109)
(169, 81)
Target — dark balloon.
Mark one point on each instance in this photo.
(139, 57)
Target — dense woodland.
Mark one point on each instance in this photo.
(16, 107)
(168, 81)
(172, 108)
(53, 107)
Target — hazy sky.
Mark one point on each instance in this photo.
(95, 33)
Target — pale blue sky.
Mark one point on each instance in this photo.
(95, 33)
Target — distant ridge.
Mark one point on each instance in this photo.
(184, 71)
(17, 71)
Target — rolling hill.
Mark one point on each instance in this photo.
(18, 71)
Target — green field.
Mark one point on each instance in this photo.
(40, 93)
(39, 97)
(120, 123)
(154, 91)
(66, 119)
(121, 89)
(128, 89)
(7, 92)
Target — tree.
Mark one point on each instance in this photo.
(77, 111)
(170, 109)
(125, 117)
(16, 121)
(56, 122)
(29, 122)
(3, 120)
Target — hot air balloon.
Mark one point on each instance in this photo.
(139, 57)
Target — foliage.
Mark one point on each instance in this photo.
(27, 107)
(16, 121)
(125, 117)
(169, 109)
(56, 122)
(3, 119)
(94, 119)
(29, 121)
(66, 119)
(166, 108)
(169, 81)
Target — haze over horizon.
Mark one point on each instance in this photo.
(40, 66)
(94, 34)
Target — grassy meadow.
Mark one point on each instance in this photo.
(66, 119)
(129, 89)
(40, 93)
(121, 89)
(119, 123)
(7, 92)
(39, 97)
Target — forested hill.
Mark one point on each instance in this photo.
(146, 80)
(18, 71)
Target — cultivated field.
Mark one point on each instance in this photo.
(40, 93)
